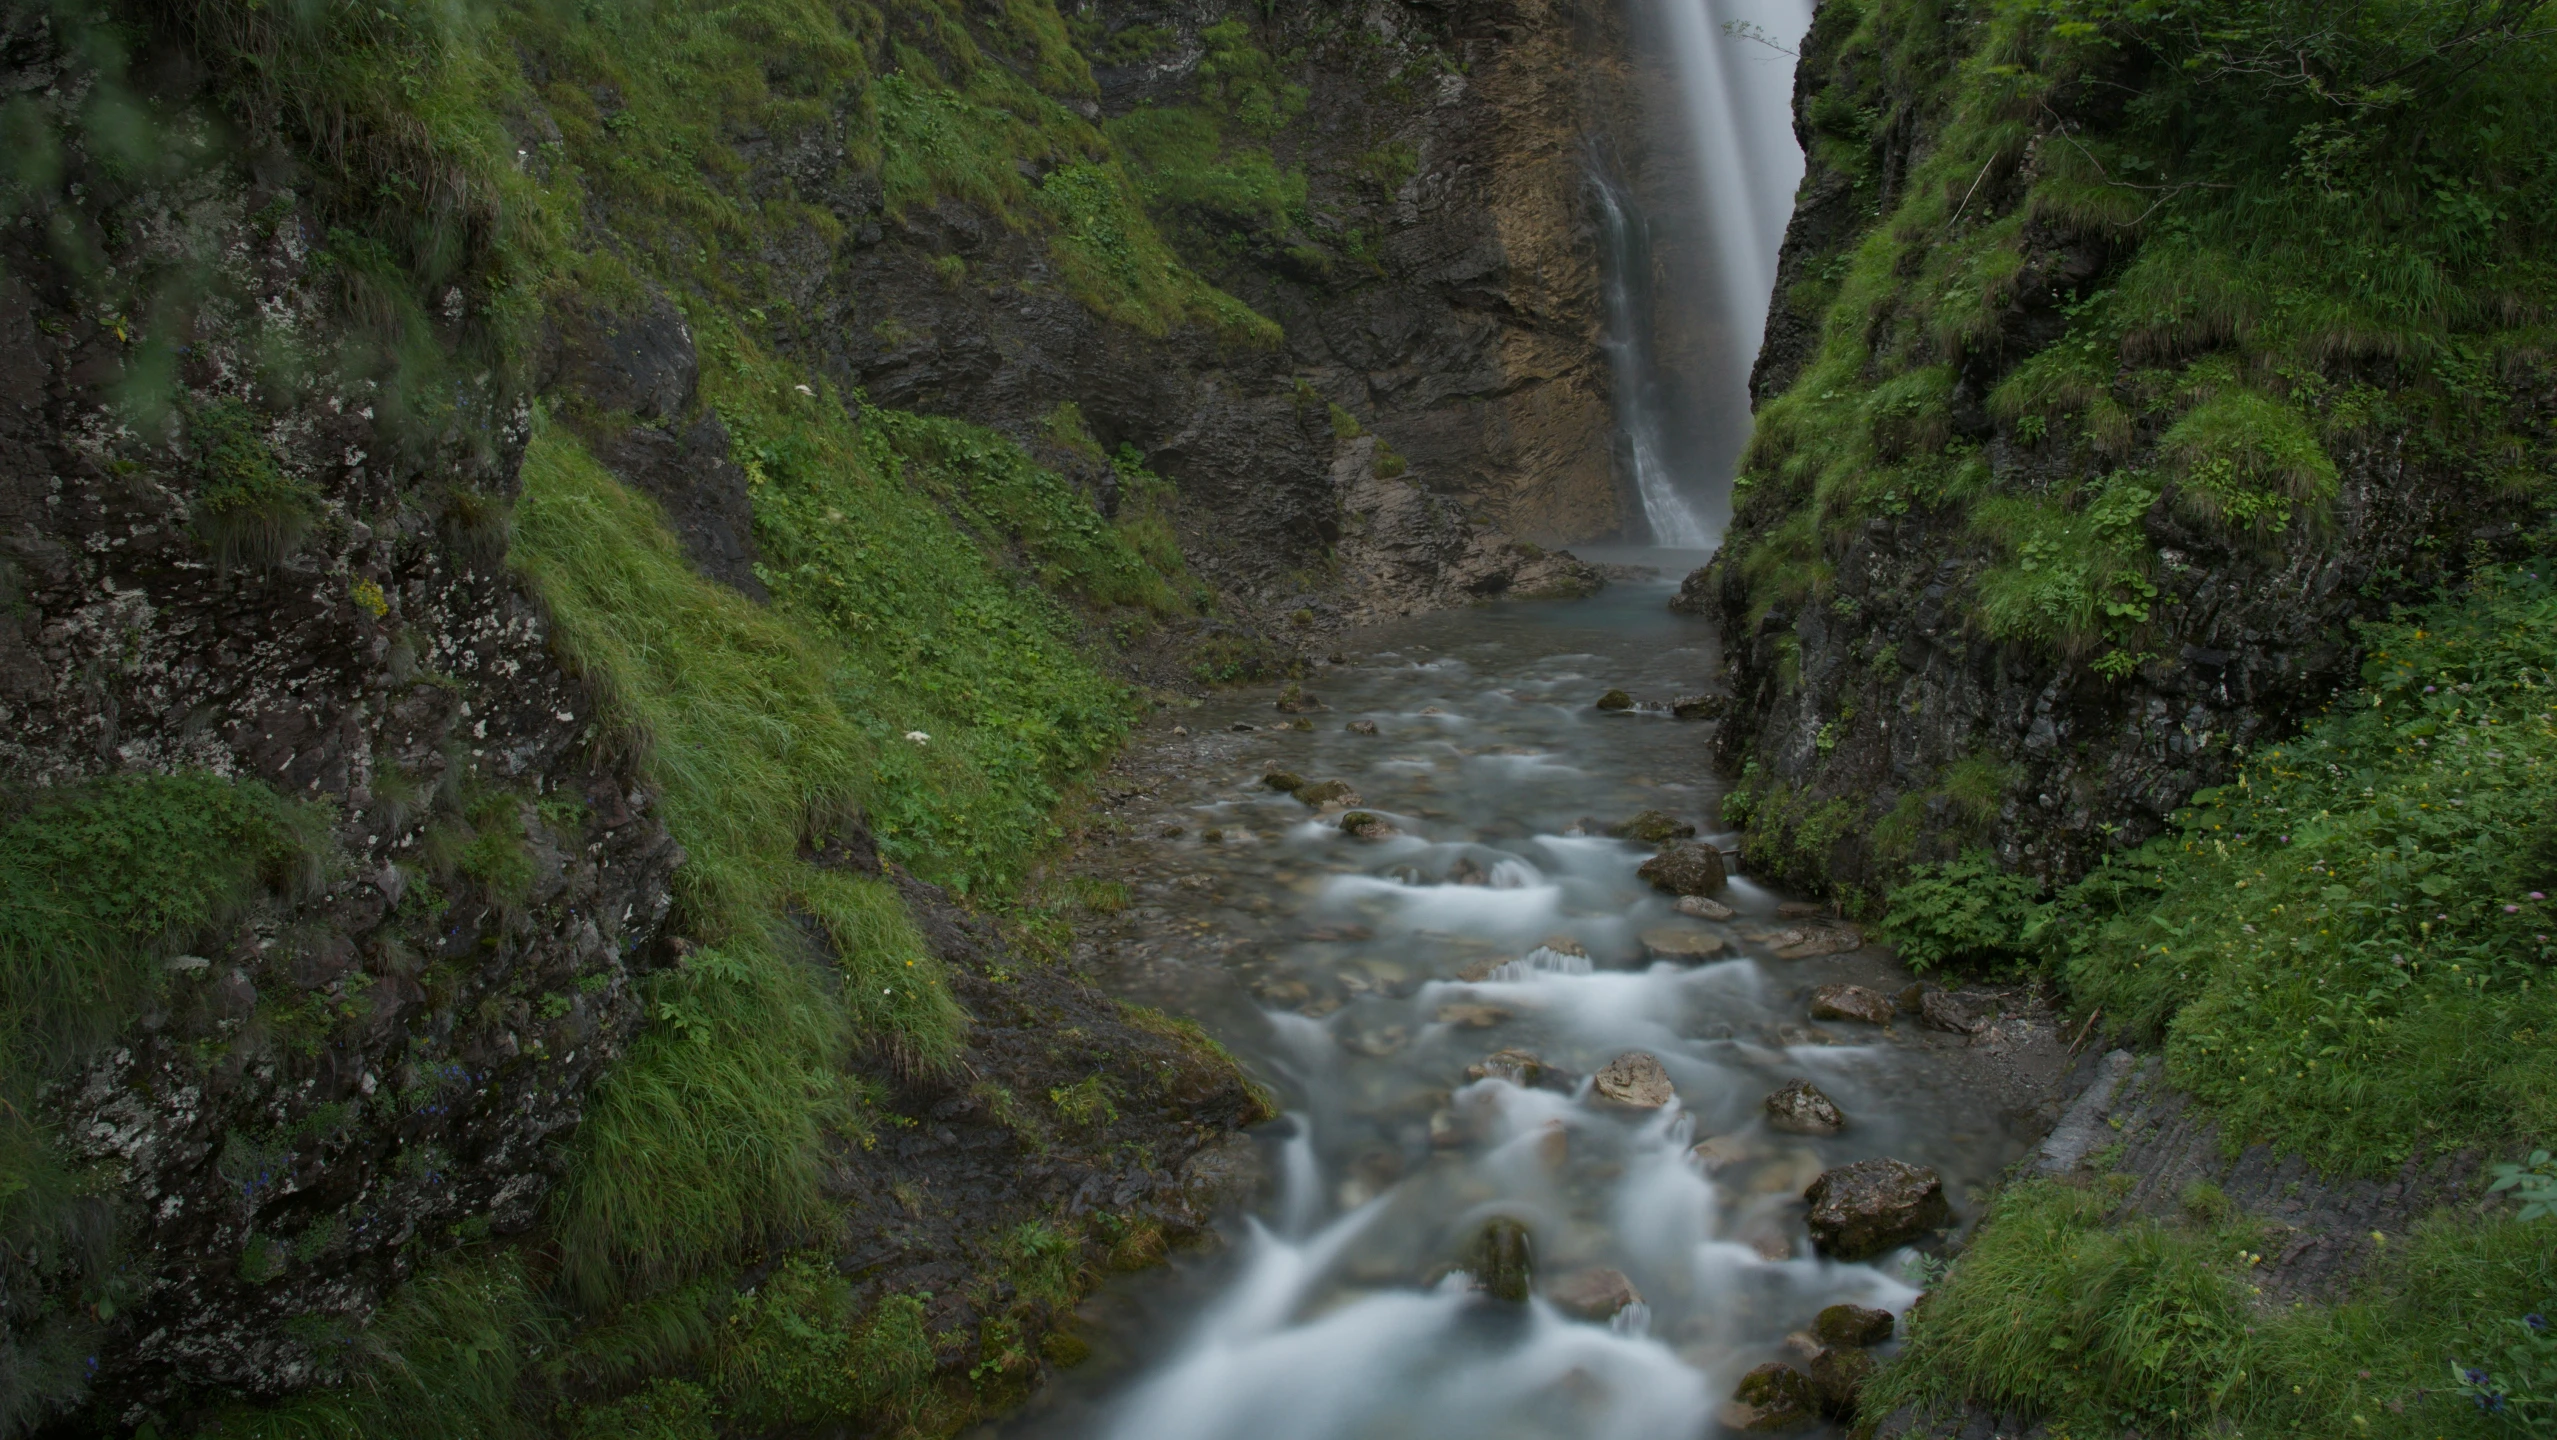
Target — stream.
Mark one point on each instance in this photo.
(1363, 977)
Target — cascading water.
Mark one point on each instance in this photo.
(1641, 446)
(1725, 185)
(1372, 981)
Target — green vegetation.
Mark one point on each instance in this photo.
(2347, 954)
(2301, 258)
(2106, 1327)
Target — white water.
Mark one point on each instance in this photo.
(1735, 162)
(1340, 971)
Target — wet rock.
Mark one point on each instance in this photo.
(1368, 825)
(1324, 794)
(1704, 909)
(1307, 726)
(1564, 945)
(1700, 707)
(1615, 700)
(1798, 1108)
(1852, 1326)
(1695, 593)
(1502, 1260)
(1636, 1078)
(1773, 1397)
(1837, 1381)
(1863, 1209)
(1653, 827)
(1713, 1154)
(1810, 942)
(1553, 1146)
(1227, 1175)
(1938, 1010)
(1283, 781)
(1798, 909)
(1686, 945)
(1521, 1068)
(1472, 1017)
(1294, 701)
(1911, 997)
(1596, 1293)
(1361, 727)
(1852, 1002)
(1685, 869)
(1447, 1130)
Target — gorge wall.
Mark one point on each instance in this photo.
(2073, 471)
(549, 551)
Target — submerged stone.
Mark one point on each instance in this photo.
(1653, 827)
(1502, 1260)
(1704, 909)
(1596, 1293)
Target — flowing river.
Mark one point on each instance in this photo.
(1363, 977)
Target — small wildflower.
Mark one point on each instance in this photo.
(918, 737)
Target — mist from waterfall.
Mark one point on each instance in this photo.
(1725, 177)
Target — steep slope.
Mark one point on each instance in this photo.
(2115, 370)
(559, 561)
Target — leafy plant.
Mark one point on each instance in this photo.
(2533, 1183)
(1964, 911)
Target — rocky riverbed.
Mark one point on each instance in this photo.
(1408, 892)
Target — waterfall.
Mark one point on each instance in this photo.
(1730, 157)
(1641, 448)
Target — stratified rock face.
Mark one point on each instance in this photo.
(1863, 1209)
(1635, 1078)
(1459, 342)
(299, 1121)
(1685, 869)
(1798, 1108)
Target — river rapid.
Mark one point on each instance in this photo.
(1363, 977)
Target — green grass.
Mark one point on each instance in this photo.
(2341, 950)
(2101, 1327)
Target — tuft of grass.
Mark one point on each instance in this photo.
(706, 1136)
(246, 508)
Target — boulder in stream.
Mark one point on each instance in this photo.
(1368, 825)
(1615, 700)
(1653, 827)
(1860, 1210)
(1521, 1068)
(1798, 1108)
(1327, 794)
(1635, 1078)
(1773, 1397)
(1294, 701)
(1700, 707)
(1471, 1017)
(1852, 1326)
(1596, 1293)
(1685, 868)
(1837, 1380)
(1283, 781)
(1686, 945)
(1851, 1002)
(1704, 909)
(1361, 727)
(1502, 1261)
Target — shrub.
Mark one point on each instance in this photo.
(1966, 911)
